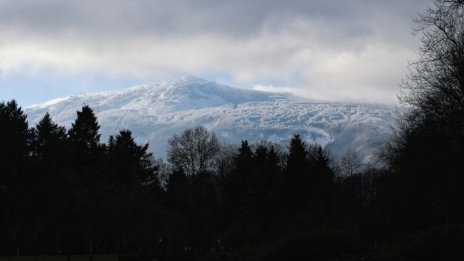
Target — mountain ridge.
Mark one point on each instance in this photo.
(156, 111)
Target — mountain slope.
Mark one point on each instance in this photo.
(154, 112)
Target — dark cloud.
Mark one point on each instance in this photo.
(251, 41)
(237, 18)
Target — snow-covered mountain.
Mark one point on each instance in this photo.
(156, 111)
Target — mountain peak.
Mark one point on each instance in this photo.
(190, 78)
(186, 80)
(189, 92)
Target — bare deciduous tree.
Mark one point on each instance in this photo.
(350, 163)
(435, 83)
(194, 150)
(434, 87)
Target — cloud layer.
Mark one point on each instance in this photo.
(336, 50)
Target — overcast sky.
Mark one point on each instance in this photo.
(344, 50)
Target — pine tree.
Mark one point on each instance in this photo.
(84, 130)
(319, 161)
(49, 140)
(15, 139)
(15, 181)
(87, 161)
(129, 162)
(238, 194)
(297, 162)
(297, 176)
(51, 187)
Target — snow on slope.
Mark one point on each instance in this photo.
(154, 112)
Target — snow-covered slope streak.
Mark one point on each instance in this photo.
(154, 112)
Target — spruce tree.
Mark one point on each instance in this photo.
(297, 162)
(84, 130)
(297, 176)
(15, 139)
(15, 181)
(49, 140)
(131, 163)
(51, 178)
(87, 161)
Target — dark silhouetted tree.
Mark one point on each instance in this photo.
(15, 140)
(129, 162)
(84, 130)
(425, 154)
(49, 140)
(52, 184)
(87, 158)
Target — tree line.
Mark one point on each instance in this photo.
(65, 192)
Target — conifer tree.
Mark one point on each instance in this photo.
(84, 130)
(15, 139)
(297, 162)
(87, 161)
(49, 140)
(129, 162)
(15, 181)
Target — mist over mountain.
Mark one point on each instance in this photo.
(156, 111)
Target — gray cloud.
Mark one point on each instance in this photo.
(330, 49)
(240, 18)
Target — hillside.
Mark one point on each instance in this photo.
(156, 111)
